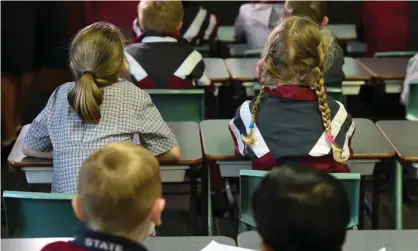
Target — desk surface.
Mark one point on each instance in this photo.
(403, 135)
(364, 240)
(193, 243)
(242, 69)
(367, 142)
(187, 135)
(385, 68)
(343, 31)
(215, 69)
(353, 70)
(226, 33)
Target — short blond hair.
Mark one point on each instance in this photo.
(160, 16)
(118, 186)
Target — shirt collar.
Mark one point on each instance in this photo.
(295, 92)
(99, 241)
(158, 37)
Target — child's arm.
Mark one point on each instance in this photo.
(37, 142)
(197, 67)
(154, 133)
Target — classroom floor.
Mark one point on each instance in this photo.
(175, 219)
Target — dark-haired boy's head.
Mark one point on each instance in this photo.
(314, 10)
(297, 208)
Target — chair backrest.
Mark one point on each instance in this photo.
(395, 54)
(412, 106)
(249, 180)
(179, 105)
(39, 215)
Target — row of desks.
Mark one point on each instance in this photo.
(341, 31)
(360, 69)
(405, 240)
(210, 142)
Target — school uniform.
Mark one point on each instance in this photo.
(411, 74)
(165, 61)
(384, 26)
(199, 25)
(255, 21)
(88, 240)
(289, 128)
(125, 111)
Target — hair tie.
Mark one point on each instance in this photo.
(330, 138)
(252, 125)
(89, 72)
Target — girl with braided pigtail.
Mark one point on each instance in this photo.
(293, 119)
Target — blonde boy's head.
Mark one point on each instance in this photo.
(120, 191)
(160, 16)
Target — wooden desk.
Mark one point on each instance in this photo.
(385, 68)
(187, 135)
(365, 240)
(354, 71)
(343, 31)
(403, 136)
(215, 69)
(184, 243)
(242, 69)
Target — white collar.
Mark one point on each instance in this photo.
(155, 39)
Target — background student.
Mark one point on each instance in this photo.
(293, 119)
(411, 75)
(255, 21)
(199, 25)
(119, 199)
(160, 58)
(97, 109)
(313, 207)
(316, 11)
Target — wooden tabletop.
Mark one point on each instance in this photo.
(354, 71)
(184, 243)
(385, 68)
(403, 136)
(343, 31)
(364, 240)
(242, 69)
(187, 135)
(215, 69)
(367, 142)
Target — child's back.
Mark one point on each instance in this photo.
(255, 21)
(292, 119)
(160, 58)
(96, 110)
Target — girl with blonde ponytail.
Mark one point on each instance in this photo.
(293, 119)
(97, 109)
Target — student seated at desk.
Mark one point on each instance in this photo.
(160, 58)
(296, 208)
(119, 199)
(255, 21)
(199, 25)
(293, 119)
(316, 11)
(383, 26)
(411, 75)
(97, 109)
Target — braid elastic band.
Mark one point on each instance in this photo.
(330, 138)
(252, 125)
(89, 72)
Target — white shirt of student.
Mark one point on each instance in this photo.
(411, 74)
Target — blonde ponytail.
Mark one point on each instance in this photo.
(85, 98)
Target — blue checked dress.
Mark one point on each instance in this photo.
(126, 110)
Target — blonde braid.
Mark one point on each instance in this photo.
(326, 119)
(250, 138)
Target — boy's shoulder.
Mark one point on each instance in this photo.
(62, 246)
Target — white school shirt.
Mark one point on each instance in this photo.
(411, 74)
